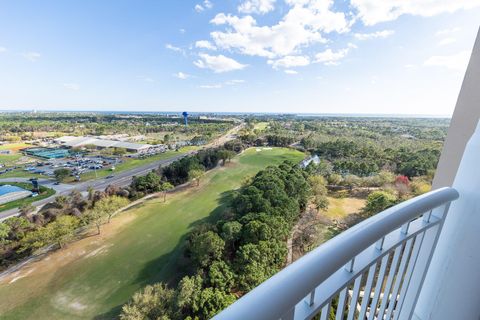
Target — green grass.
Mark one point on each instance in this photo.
(261, 126)
(9, 159)
(130, 163)
(146, 250)
(44, 193)
(20, 173)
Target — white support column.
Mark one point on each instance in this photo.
(464, 120)
(452, 285)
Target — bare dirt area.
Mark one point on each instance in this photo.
(313, 228)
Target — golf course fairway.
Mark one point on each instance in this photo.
(92, 278)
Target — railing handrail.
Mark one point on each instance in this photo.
(286, 288)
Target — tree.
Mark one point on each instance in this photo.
(211, 301)
(231, 232)
(188, 290)
(206, 247)
(225, 155)
(378, 201)
(153, 302)
(18, 227)
(166, 186)
(110, 205)
(62, 230)
(61, 174)
(25, 209)
(221, 276)
(91, 192)
(149, 183)
(319, 190)
(4, 232)
(195, 175)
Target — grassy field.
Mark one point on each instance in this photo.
(44, 193)
(131, 163)
(261, 126)
(93, 277)
(14, 146)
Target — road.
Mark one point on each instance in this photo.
(121, 179)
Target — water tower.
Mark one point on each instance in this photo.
(185, 117)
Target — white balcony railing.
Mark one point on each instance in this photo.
(373, 270)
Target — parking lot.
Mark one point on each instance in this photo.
(77, 165)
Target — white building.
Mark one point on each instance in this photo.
(77, 142)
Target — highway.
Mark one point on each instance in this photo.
(121, 179)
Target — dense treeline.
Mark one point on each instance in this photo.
(23, 126)
(235, 254)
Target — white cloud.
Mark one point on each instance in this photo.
(330, 57)
(218, 63)
(205, 5)
(289, 71)
(182, 31)
(457, 62)
(3, 49)
(234, 82)
(32, 56)
(374, 11)
(302, 26)
(446, 41)
(173, 48)
(374, 35)
(290, 61)
(71, 86)
(181, 75)
(205, 44)
(256, 6)
(447, 32)
(211, 86)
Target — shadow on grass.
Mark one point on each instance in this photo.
(171, 267)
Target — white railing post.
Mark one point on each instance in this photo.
(452, 283)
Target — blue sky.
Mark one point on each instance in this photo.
(300, 56)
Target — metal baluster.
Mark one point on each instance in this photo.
(391, 277)
(378, 287)
(325, 311)
(399, 277)
(341, 304)
(353, 301)
(367, 291)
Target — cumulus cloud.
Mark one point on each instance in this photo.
(456, 62)
(290, 61)
(71, 86)
(204, 6)
(211, 86)
(31, 56)
(330, 57)
(234, 82)
(372, 12)
(446, 41)
(181, 75)
(256, 6)
(302, 25)
(374, 35)
(289, 71)
(205, 44)
(218, 64)
(447, 32)
(173, 48)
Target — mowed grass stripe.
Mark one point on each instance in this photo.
(145, 250)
